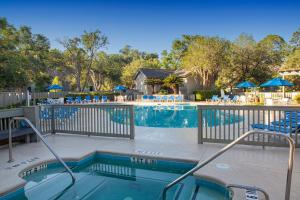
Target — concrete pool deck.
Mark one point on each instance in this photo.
(247, 165)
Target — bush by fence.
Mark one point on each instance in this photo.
(202, 95)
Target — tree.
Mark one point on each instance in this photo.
(293, 60)
(205, 57)
(295, 40)
(153, 82)
(173, 81)
(92, 42)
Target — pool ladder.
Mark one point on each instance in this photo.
(37, 132)
(229, 146)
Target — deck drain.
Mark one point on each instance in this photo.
(155, 153)
(222, 166)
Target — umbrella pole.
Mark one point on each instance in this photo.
(283, 91)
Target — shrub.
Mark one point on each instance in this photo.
(297, 98)
(163, 92)
(202, 95)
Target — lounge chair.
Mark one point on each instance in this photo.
(87, 99)
(215, 98)
(78, 99)
(226, 98)
(235, 99)
(164, 98)
(70, 100)
(171, 98)
(179, 98)
(104, 99)
(145, 98)
(151, 98)
(96, 99)
(157, 98)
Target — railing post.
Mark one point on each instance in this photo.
(200, 125)
(131, 120)
(52, 119)
(32, 113)
(10, 159)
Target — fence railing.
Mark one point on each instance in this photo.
(6, 115)
(112, 120)
(225, 123)
(11, 98)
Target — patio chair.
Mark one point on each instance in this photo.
(226, 98)
(157, 98)
(164, 98)
(235, 99)
(87, 99)
(104, 99)
(171, 98)
(215, 98)
(151, 98)
(145, 98)
(179, 98)
(69, 100)
(78, 99)
(96, 99)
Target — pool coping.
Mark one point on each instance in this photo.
(20, 186)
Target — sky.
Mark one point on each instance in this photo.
(152, 26)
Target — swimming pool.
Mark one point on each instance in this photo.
(115, 177)
(179, 116)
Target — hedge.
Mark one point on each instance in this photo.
(202, 95)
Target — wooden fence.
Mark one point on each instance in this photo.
(225, 123)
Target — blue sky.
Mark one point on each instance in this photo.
(153, 25)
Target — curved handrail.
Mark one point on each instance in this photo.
(229, 146)
(43, 140)
(250, 188)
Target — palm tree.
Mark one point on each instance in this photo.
(153, 82)
(173, 81)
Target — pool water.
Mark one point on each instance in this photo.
(115, 177)
(179, 116)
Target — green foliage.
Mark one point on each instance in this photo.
(297, 98)
(173, 81)
(163, 91)
(202, 95)
(293, 60)
(205, 57)
(295, 40)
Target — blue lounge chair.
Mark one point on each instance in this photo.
(145, 97)
(215, 98)
(164, 98)
(235, 99)
(87, 99)
(151, 98)
(171, 98)
(179, 98)
(96, 99)
(69, 100)
(226, 98)
(157, 98)
(104, 98)
(78, 99)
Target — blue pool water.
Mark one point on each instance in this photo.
(115, 177)
(179, 116)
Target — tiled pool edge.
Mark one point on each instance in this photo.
(19, 188)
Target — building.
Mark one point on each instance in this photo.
(147, 73)
(190, 83)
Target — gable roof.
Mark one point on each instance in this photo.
(154, 73)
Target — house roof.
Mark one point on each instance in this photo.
(154, 73)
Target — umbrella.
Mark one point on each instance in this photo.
(120, 88)
(55, 87)
(246, 84)
(276, 82)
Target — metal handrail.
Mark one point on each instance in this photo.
(43, 140)
(229, 146)
(250, 188)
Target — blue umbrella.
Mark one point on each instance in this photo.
(276, 82)
(120, 88)
(246, 84)
(55, 87)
